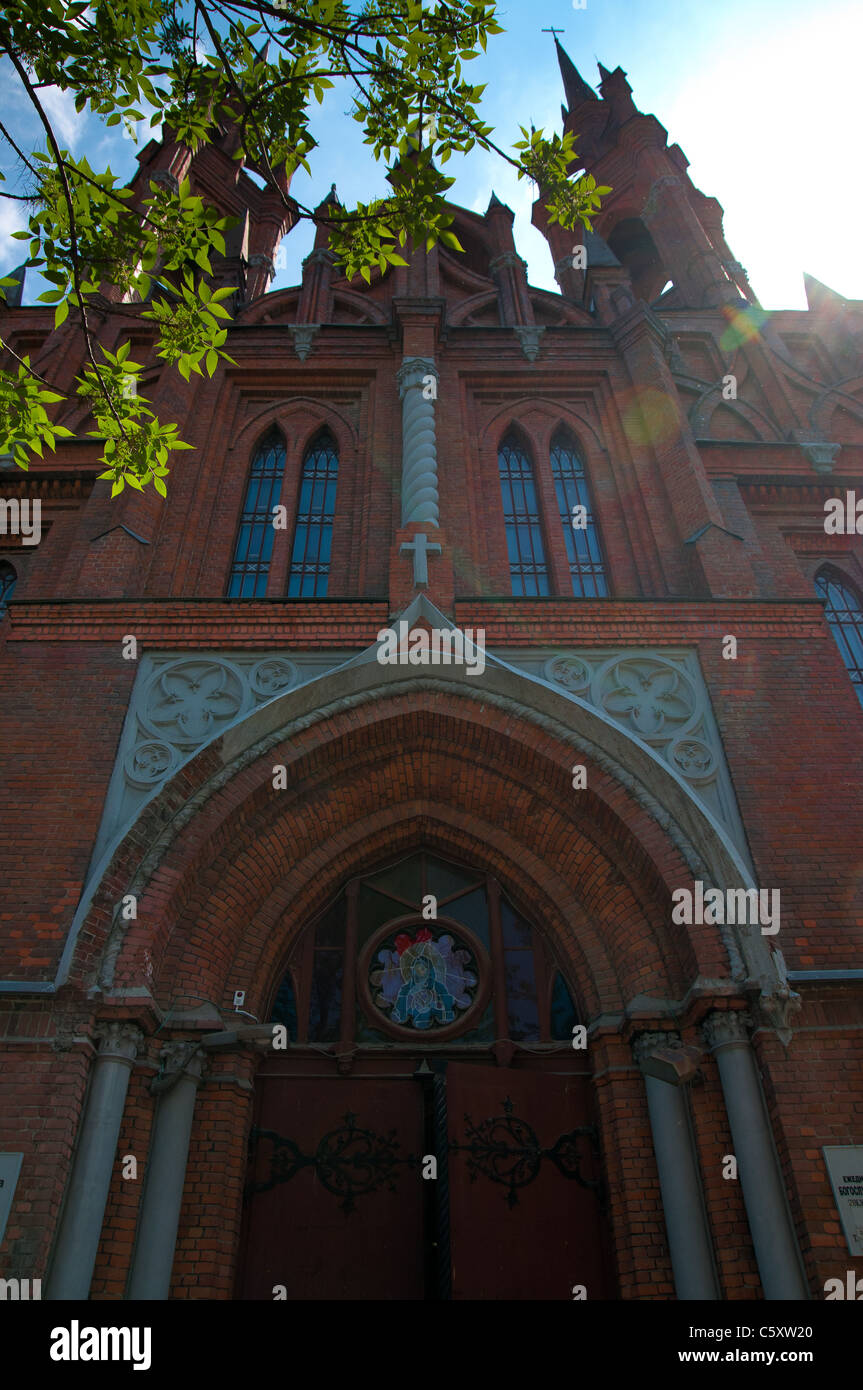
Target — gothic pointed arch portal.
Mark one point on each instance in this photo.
(428, 1130)
(232, 861)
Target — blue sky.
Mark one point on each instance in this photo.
(762, 95)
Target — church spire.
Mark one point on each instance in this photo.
(574, 84)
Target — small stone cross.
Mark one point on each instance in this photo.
(421, 548)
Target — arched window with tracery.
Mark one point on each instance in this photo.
(527, 563)
(313, 536)
(581, 535)
(254, 548)
(844, 613)
(376, 967)
(8, 580)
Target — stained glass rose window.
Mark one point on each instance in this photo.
(423, 979)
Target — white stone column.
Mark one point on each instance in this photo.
(159, 1216)
(779, 1264)
(419, 449)
(93, 1163)
(689, 1241)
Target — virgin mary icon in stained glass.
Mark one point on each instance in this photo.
(423, 983)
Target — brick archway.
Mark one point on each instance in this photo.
(647, 822)
(216, 892)
(229, 870)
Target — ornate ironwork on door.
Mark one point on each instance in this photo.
(349, 1161)
(507, 1150)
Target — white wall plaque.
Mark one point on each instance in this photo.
(845, 1169)
(10, 1167)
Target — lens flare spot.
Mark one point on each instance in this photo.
(743, 325)
(650, 418)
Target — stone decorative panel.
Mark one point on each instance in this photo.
(182, 701)
(658, 695)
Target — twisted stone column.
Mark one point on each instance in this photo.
(779, 1264)
(419, 449)
(689, 1241)
(84, 1211)
(159, 1217)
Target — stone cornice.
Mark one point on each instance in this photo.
(762, 493)
(537, 622)
(354, 623)
(59, 487)
(202, 624)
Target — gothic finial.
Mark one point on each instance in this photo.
(603, 72)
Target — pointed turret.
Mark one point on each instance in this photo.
(505, 266)
(14, 292)
(574, 85)
(599, 253)
(820, 296)
(840, 323)
(330, 200)
(315, 306)
(616, 91)
(494, 203)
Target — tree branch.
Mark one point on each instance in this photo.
(73, 235)
(20, 153)
(51, 387)
(225, 61)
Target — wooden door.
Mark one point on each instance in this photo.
(338, 1204)
(338, 1209)
(525, 1198)
(334, 1203)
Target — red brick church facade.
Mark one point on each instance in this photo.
(239, 818)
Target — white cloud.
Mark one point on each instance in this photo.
(68, 125)
(777, 163)
(12, 219)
